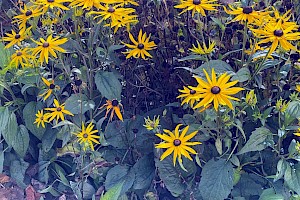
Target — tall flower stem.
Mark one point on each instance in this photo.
(244, 43)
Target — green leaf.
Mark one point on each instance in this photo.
(144, 170)
(1, 161)
(17, 171)
(79, 103)
(292, 178)
(114, 192)
(257, 140)
(282, 165)
(43, 174)
(5, 55)
(293, 109)
(270, 194)
(29, 117)
(21, 141)
(175, 178)
(242, 75)
(48, 139)
(217, 180)
(190, 57)
(119, 174)
(4, 117)
(11, 130)
(218, 65)
(108, 84)
(116, 134)
(219, 23)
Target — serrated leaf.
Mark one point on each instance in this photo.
(114, 192)
(257, 140)
(79, 103)
(21, 141)
(217, 180)
(270, 194)
(108, 85)
(292, 178)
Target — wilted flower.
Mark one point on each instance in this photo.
(113, 106)
(151, 124)
(281, 105)
(251, 98)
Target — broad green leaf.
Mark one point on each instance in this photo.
(108, 84)
(1, 161)
(282, 165)
(114, 192)
(257, 140)
(219, 23)
(43, 173)
(270, 194)
(144, 170)
(292, 178)
(293, 109)
(119, 174)
(17, 171)
(242, 75)
(4, 117)
(116, 134)
(79, 103)
(48, 139)
(175, 179)
(217, 180)
(5, 55)
(11, 130)
(21, 141)
(218, 65)
(190, 57)
(50, 190)
(29, 117)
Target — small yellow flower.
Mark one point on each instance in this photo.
(15, 38)
(298, 132)
(298, 87)
(86, 4)
(41, 118)
(46, 4)
(140, 47)
(297, 147)
(177, 143)
(58, 111)
(27, 13)
(113, 106)
(21, 57)
(199, 6)
(151, 124)
(201, 50)
(251, 98)
(50, 87)
(86, 136)
(50, 45)
(281, 105)
(189, 96)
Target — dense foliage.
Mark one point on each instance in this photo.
(150, 99)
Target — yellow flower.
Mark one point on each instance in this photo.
(298, 132)
(15, 38)
(113, 106)
(86, 136)
(121, 2)
(58, 111)
(203, 49)
(122, 22)
(198, 6)
(298, 88)
(151, 124)
(140, 47)
(27, 13)
(281, 105)
(282, 19)
(297, 147)
(277, 35)
(216, 90)
(50, 87)
(190, 96)
(21, 57)
(245, 14)
(48, 46)
(251, 98)
(86, 4)
(177, 143)
(41, 118)
(46, 4)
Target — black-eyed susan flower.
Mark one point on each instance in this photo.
(46, 4)
(85, 4)
(298, 87)
(177, 143)
(113, 106)
(50, 45)
(124, 21)
(244, 14)
(216, 90)
(189, 96)
(15, 38)
(41, 118)
(199, 6)
(87, 136)
(122, 2)
(140, 47)
(27, 13)
(50, 87)
(201, 50)
(282, 20)
(277, 36)
(297, 132)
(21, 57)
(58, 111)
(151, 124)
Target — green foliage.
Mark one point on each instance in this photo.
(108, 84)
(113, 193)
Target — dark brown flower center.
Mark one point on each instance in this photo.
(111, 9)
(215, 90)
(58, 109)
(19, 53)
(177, 142)
(46, 44)
(85, 135)
(278, 33)
(196, 2)
(28, 13)
(247, 10)
(114, 103)
(192, 91)
(52, 86)
(140, 46)
(17, 36)
(50, 1)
